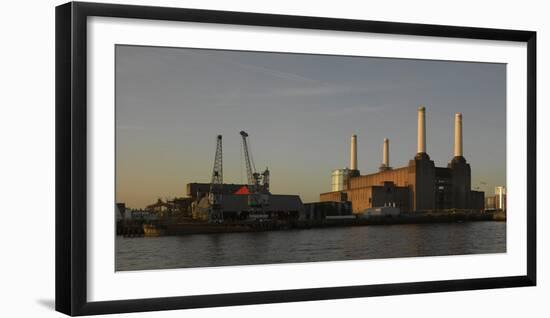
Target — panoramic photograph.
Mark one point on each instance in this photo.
(235, 158)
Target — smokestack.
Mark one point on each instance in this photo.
(421, 142)
(458, 135)
(386, 153)
(353, 153)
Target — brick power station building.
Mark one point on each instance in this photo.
(419, 186)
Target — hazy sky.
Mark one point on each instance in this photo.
(300, 111)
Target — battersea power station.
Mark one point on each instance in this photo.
(418, 187)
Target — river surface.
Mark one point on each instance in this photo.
(313, 245)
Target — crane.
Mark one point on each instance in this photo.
(259, 192)
(265, 179)
(216, 185)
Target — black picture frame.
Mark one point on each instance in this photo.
(71, 157)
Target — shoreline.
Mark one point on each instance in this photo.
(188, 227)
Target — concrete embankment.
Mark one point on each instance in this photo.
(129, 228)
(499, 216)
(401, 219)
(195, 227)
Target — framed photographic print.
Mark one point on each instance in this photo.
(214, 158)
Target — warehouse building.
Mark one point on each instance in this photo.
(235, 207)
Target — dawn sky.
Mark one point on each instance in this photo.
(300, 111)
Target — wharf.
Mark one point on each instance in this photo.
(198, 227)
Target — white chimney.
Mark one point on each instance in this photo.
(353, 153)
(386, 153)
(421, 142)
(458, 135)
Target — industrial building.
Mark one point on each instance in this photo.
(235, 206)
(220, 202)
(324, 210)
(198, 190)
(418, 187)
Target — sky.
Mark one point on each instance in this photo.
(300, 111)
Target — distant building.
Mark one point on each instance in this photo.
(176, 206)
(122, 212)
(490, 203)
(145, 215)
(159, 208)
(497, 201)
(500, 197)
(120, 209)
(181, 205)
(419, 186)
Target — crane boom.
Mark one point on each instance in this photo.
(259, 193)
(216, 184)
(217, 172)
(250, 169)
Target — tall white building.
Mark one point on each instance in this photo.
(500, 198)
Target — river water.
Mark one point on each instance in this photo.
(295, 246)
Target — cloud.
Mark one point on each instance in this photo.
(347, 110)
(275, 73)
(259, 69)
